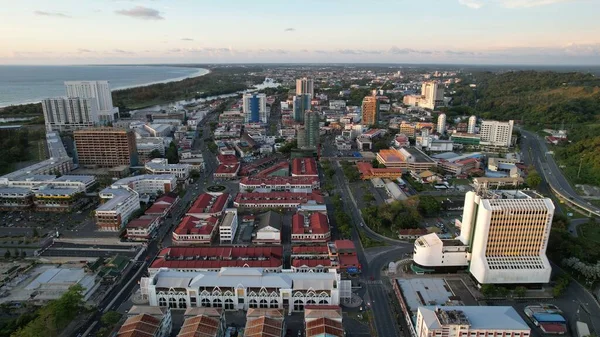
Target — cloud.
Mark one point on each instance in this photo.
(53, 14)
(289, 29)
(121, 51)
(140, 12)
(359, 52)
(83, 50)
(187, 39)
(318, 51)
(399, 51)
(474, 4)
(529, 3)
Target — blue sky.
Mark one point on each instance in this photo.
(416, 31)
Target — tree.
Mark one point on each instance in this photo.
(489, 290)
(155, 154)
(7, 254)
(35, 233)
(194, 174)
(172, 154)
(533, 179)
(520, 291)
(111, 318)
(23, 254)
(429, 206)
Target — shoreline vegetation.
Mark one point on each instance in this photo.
(218, 81)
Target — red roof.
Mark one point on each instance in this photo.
(274, 180)
(157, 209)
(166, 199)
(233, 168)
(466, 161)
(278, 198)
(317, 223)
(344, 244)
(304, 166)
(227, 159)
(311, 263)
(193, 225)
(204, 200)
(142, 222)
(553, 327)
(348, 260)
(216, 257)
(216, 264)
(366, 169)
(279, 166)
(317, 250)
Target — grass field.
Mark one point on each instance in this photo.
(460, 182)
(590, 231)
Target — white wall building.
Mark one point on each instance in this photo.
(149, 183)
(117, 205)
(98, 90)
(162, 166)
(472, 124)
(61, 113)
(241, 289)
(255, 105)
(441, 124)
(463, 321)
(228, 226)
(496, 133)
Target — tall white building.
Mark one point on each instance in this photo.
(503, 239)
(98, 90)
(496, 133)
(305, 86)
(61, 113)
(255, 108)
(433, 94)
(441, 124)
(472, 124)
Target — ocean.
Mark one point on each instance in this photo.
(28, 84)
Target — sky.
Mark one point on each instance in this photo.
(544, 32)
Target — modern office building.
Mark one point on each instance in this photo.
(305, 86)
(99, 91)
(472, 124)
(65, 114)
(311, 127)
(301, 103)
(370, 110)
(242, 289)
(503, 239)
(496, 133)
(117, 205)
(441, 124)
(457, 321)
(255, 108)
(432, 96)
(105, 147)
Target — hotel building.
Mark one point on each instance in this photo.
(105, 147)
(305, 86)
(496, 133)
(65, 114)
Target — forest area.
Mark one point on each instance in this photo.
(541, 100)
(18, 146)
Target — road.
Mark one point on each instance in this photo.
(377, 296)
(537, 152)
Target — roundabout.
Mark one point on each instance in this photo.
(216, 188)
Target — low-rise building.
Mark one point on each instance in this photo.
(146, 325)
(117, 205)
(203, 322)
(268, 228)
(276, 199)
(265, 322)
(142, 228)
(275, 183)
(269, 258)
(163, 205)
(162, 166)
(228, 226)
(313, 228)
(465, 138)
(406, 159)
(149, 183)
(322, 320)
(242, 289)
(209, 205)
(306, 167)
(226, 171)
(195, 231)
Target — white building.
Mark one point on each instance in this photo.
(228, 226)
(149, 183)
(142, 228)
(337, 104)
(97, 90)
(462, 321)
(305, 86)
(117, 205)
(441, 124)
(255, 108)
(242, 289)
(496, 133)
(162, 166)
(472, 124)
(506, 233)
(62, 114)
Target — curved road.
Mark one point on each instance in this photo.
(549, 170)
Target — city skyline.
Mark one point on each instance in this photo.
(545, 32)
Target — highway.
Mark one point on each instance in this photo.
(377, 297)
(537, 151)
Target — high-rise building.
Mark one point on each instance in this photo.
(98, 90)
(503, 239)
(441, 124)
(255, 108)
(62, 114)
(105, 147)
(301, 141)
(471, 125)
(370, 110)
(305, 86)
(433, 94)
(301, 105)
(311, 127)
(496, 133)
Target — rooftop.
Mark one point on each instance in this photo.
(274, 180)
(142, 222)
(477, 317)
(304, 166)
(193, 225)
(418, 292)
(114, 197)
(209, 203)
(199, 326)
(316, 223)
(139, 326)
(278, 197)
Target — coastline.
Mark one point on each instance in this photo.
(199, 72)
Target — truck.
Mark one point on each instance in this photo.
(582, 329)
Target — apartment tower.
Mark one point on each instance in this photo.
(496, 133)
(97, 90)
(105, 147)
(441, 124)
(472, 124)
(64, 114)
(370, 110)
(255, 108)
(301, 105)
(311, 127)
(305, 86)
